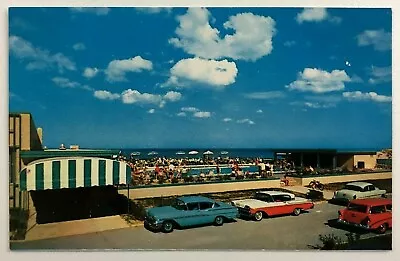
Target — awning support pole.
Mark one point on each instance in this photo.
(128, 199)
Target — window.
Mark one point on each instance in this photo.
(389, 208)
(205, 205)
(280, 198)
(193, 206)
(357, 208)
(377, 209)
(354, 188)
(216, 205)
(360, 165)
(263, 197)
(371, 187)
(179, 205)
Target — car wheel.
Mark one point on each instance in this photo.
(167, 227)
(382, 229)
(258, 216)
(296, 211)
(219, 221)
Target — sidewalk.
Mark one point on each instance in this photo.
(327, 194)
(76, 227)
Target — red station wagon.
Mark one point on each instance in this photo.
(370, 214)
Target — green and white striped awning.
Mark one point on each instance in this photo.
(73, 172)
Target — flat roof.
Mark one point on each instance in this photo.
(372, 201)
(50, 153)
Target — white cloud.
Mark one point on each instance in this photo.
(65, 83)
(319, 81)
(196, 36)
(90, 72)
(202, 114)
(92, 10)
(151, 111)
(316, 15)
(181, 114)
(379, 39)
(289, 43)
(106, 95)
(380, 74)
(210, 72)
(154, 10)
(317, 105)
(248, 121)
(117, 69)
(189, 109)
(264, 95)
(259, 111)
(38, 59)
(227, 120)
(79, 47)
(368, 96)
(133, 96)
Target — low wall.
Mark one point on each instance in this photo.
(173, 190)
(151, 192)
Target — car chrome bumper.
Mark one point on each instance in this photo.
(152, 225)
(344, 222)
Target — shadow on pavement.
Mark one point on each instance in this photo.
(334, 224)
(188, 227)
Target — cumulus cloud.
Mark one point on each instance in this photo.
(189, 109)
(181, 114)
(368, 96)
(319, 81)
(289, 43)
(153, 10)
(79, 47)
(91, 10)
(90, 72)
(259, 111)
(196, 36)
(248, 121)
(264, 95)
(106, 95)
(316, 105)
(133, 96)
(316, 15)
(380, 74)
(151, 111)
(202, 114)
(39, 59)
(379, 39)
(117, 69)
(210, 72)
(67, 83)
(226, 119)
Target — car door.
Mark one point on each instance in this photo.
(207, 214)
(192, 215)
(370, 191)
(279, 206)
(378, 215)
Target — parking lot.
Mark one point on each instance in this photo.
(280, 233)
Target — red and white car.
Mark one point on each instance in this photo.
(370, 214)
(272, 203)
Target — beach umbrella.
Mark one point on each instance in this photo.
(208, 152)
(193, 152)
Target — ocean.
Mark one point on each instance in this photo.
(171, 153)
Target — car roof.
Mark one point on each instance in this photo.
(275, 193)
(191, 199)
(359, 184)
(372, 201)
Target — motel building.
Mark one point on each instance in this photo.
(54, 185)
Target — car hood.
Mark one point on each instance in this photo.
(160, 212)
(252, 203)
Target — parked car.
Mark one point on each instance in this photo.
(356, 190)
(370, 214)
(189, 211)
(271, 203)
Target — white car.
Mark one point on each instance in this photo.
(355, 190)
(271, 203)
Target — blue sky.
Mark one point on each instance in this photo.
(215, 77)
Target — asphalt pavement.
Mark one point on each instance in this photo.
(278, 233)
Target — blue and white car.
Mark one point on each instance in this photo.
(189, 211)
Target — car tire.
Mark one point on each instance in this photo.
(219, 221)
(167, 227)
(258, 216)
(296, 211)
(382, 229)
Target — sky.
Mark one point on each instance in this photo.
(204, 78)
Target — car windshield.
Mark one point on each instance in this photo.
(357, 208)
(179, 205)
(352, 187)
